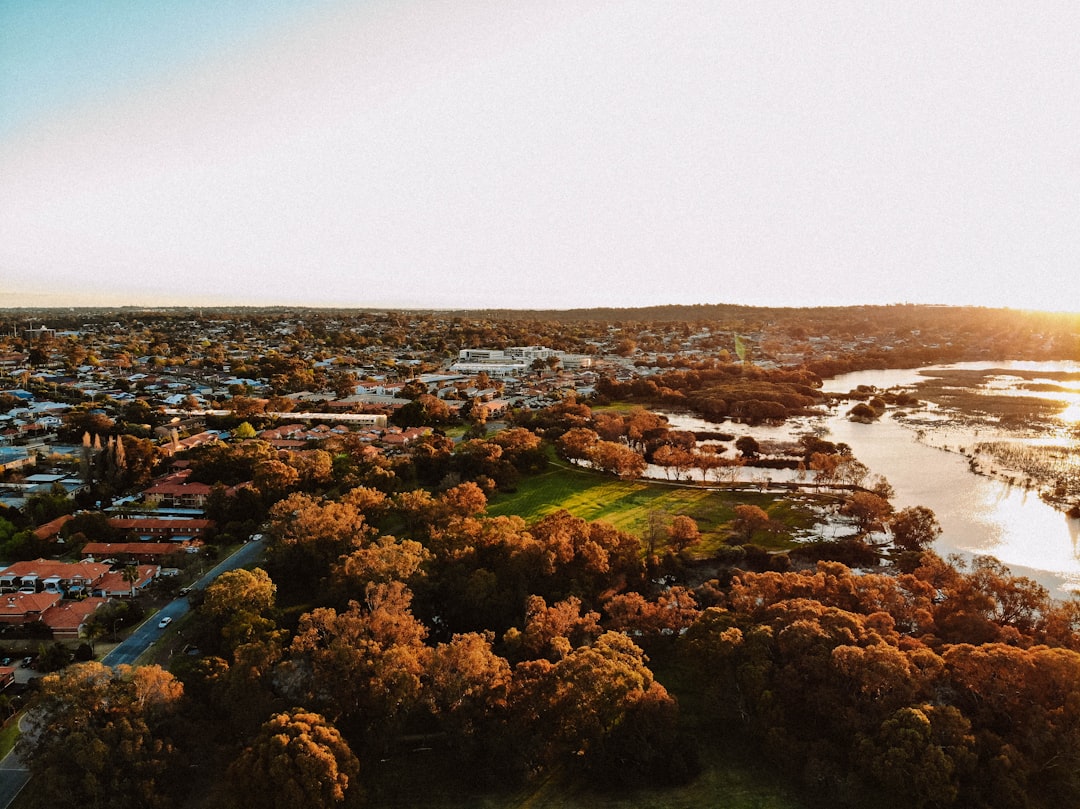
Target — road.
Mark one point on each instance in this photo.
(148, 631)
(13, 776)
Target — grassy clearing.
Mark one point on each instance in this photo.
(626, 504)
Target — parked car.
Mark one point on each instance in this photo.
(164, 622)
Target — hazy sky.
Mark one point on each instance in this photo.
(539, 154)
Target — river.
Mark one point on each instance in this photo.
(978, 514)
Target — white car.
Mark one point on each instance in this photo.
(164, 622)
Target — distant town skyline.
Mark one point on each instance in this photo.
(413, 154)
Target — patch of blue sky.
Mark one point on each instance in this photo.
(58, 55)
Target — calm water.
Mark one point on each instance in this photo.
(979, 515)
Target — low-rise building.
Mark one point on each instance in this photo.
(65, 579)
(133, 552)
(151, 528)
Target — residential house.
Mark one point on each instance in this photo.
(67, 579)
(50, 531)
(176, 490)
(114, 585)
(146, 553)
(172, 529)
(67, 619)
(17, 609)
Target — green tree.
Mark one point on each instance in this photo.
(244, 431)
(96, 737)
(130, 575)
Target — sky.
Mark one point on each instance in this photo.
(466, 154)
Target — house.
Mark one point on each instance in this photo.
(66, 619)
(50, 531)
(152, 528)
(177, 490)
(17, 609)
(64, 579)
(139, 553)
(492, 408)
(114, 585)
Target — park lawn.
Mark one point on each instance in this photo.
(626, 504)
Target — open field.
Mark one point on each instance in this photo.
(626, 504)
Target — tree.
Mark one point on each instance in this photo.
(307, 535)
(672, 611)
(747, 446)
(577, 443)
(572, 708)
(274, 478)
(910, 761)
(244, 431)
(863, 413)
(130, 575)
(683, 533)
(343, 383)
(915, 528)
(867, 509)
(297, 759)
(385, 560)
(552, 632)
(244, 407)
(617, 459)
(239, 608)
(467, 684)
(749, 519)
(96, 737)
(364, 664)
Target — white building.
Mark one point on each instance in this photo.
(514, 359)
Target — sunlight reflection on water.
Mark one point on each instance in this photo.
(979, 515)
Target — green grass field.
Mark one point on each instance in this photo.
(626, 504)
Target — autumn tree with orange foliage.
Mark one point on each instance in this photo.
(864, 687)
(298, 759)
